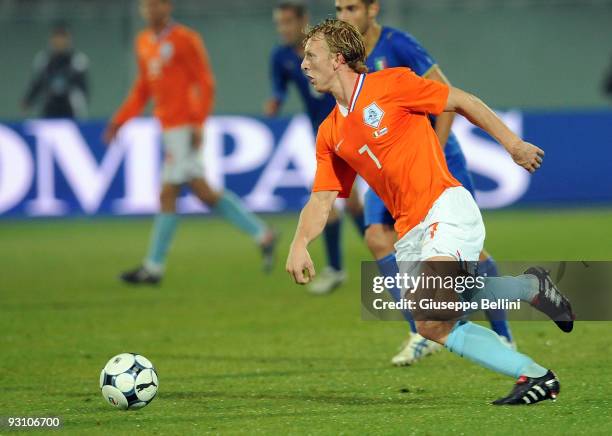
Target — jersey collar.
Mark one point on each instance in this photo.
(166, 31)
(356, 91)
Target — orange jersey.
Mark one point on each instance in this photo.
(174, 71)
(386, 137)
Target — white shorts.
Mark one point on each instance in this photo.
(453, 227)
(182, 162)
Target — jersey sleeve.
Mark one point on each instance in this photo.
(412, 54)
(278, 77)
(198, 66)
(416, 94)
(136, 99)
(333, 173)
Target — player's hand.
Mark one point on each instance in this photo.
(527, 155)
(271, 107)
(299, 265)
(196, 137)
(110, 133)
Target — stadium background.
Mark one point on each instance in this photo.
(492, 47)
(243, 352)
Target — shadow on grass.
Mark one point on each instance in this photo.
(323, 397)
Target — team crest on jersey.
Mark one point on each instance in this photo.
(166, 51)
(373, 115)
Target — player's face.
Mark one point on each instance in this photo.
(318, 64)
(155, 12)
(355, 12)
(60, 42)
(289, 26)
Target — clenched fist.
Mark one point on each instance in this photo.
(527, 155)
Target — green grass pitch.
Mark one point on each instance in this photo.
(240, 352)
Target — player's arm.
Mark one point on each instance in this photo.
(279, 86)
(133, 105)
(37, 81)
(312, 222)
(608, 83)
(334, 178)
(444, 121)
(478, 113)
(413, 55)
(198, 65)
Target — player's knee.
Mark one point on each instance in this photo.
(205, 193)
(377, 241)
(167, 199)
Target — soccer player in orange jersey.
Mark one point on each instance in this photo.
(380, 129)
(174, 71)
(386, 48)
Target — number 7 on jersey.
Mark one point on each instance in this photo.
(366, 149)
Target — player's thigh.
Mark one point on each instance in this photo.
(182, 162)
(202, 189)
(380, 239)
(431, 287)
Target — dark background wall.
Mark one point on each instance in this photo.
(515, 53)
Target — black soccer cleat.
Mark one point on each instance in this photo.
(551, 301)
(528, 390)
(268, 251)
(140, 276)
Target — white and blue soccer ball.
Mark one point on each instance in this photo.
(129, 381)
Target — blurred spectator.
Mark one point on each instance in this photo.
(59, 79)
(608, 82)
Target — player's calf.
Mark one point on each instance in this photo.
(436, 304)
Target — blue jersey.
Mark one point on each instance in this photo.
(400, 49)
(285, 68)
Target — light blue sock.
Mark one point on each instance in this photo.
(497, 317)
(484, 347)
(164, 227)
(230, 207)
(524, 287)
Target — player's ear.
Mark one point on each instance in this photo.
(338, 60)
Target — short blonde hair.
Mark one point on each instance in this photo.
(343, 38)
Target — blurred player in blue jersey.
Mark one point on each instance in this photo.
(387, 48)
(291, 18)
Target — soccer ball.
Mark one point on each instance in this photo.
(129, 381)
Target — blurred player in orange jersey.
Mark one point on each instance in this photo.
(380, 129)
(174, 71)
